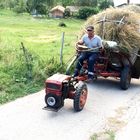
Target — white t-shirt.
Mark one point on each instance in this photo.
(91, 43)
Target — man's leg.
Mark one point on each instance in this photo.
(79, 63)
(91, 61)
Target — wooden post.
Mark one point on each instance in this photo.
(61, 51)
(27, 60)
(103, 27)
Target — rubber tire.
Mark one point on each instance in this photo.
(57, 98)
(125, 78)
(80, 88)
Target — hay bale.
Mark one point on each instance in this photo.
(126, 33)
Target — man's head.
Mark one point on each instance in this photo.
(90, 30)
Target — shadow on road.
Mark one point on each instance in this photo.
(113, 84)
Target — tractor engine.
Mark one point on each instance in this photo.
(57, 89)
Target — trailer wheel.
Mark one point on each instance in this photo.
(80, 96)
(125, 78)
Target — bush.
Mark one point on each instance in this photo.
(62, 24)
(20, 7)
(41, 9)
(85, 12)
(67, 12)
(1, 6)
(105, 4)
(15, 73)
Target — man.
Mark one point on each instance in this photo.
(91, 41)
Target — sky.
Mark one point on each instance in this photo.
(119, 2)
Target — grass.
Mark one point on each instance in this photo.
(41, 35)
(107, 135)
(42, 39)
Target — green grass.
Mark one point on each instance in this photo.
(42, 39)
(41, 35)
(107, 135)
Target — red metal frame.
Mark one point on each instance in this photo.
(100, 69)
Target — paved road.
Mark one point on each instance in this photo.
(107, 108)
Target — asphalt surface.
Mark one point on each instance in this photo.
(107, 108)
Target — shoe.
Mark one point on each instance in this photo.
(92, 77)
(89, 80)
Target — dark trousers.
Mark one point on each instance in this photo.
(91, 57)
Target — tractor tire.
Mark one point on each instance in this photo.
(80, 96)
(57, 100)
(125, 78)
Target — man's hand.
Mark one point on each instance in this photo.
(80, 42)
(102, 49)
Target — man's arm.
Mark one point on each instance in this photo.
(80, 42)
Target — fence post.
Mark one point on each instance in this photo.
(61, 50)
(27, 60)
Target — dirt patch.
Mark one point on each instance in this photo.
(116, 123)
(112, 126)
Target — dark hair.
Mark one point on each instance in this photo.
(90, 27)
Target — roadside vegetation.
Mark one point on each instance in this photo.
(43, 7)
(107, 135)
(24, 68)
(30, 47)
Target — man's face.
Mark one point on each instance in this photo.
(90, 33)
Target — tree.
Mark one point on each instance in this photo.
(31, 5)
(67, 13)
(85, 12)
(7, 3)
(66, 2)
(49, 3)
(20, 6)
(86, 3)
(39, 6)
(103, 4)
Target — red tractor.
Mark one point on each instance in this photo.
(111, 63)
(60, 87)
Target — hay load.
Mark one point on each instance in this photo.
(133, 8)
(119, 25)
(122, 26)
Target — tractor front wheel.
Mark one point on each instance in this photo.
(80, 96)
(53, 100)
